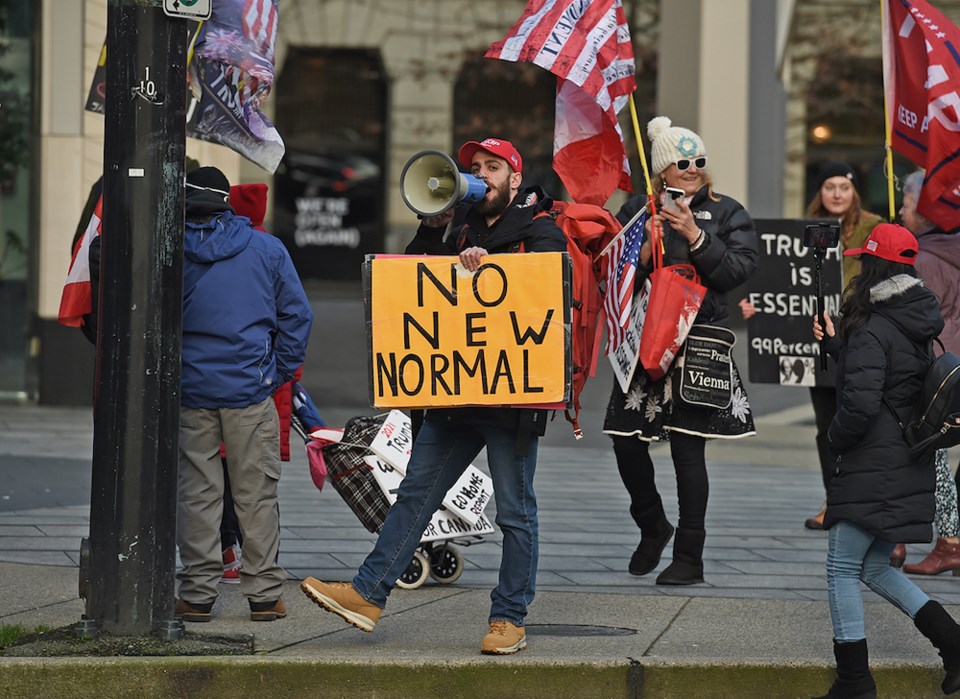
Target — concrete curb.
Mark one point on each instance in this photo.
(203, 678)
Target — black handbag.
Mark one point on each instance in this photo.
(704, 375)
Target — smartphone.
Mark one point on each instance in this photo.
(672, 195)
(822, 235)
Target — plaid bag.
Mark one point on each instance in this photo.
(351, 477)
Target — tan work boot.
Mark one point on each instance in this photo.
(191, 611)
(268, 611)
(503, 638)
(344, 601)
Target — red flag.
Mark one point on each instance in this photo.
(75, 301)
(921, 66)
(586, 44)
(623, 256)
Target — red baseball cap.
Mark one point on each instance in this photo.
(499, 147)
(891, 242)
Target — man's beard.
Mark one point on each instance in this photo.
(497, 204)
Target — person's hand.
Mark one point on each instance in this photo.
(818, 330)
(747, 308)
(682, 221)
(470, 258)
(645, 253)
(440, 220)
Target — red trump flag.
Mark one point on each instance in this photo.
(921, 67)
(586, 44)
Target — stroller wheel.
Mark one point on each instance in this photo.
(416, 573)
(446, 564)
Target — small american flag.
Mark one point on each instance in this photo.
(623, 256)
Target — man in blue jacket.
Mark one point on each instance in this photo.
(246, 321)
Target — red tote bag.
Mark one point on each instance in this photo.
(675, 297)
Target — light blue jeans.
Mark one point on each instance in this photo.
(441, 453)
(856, 555)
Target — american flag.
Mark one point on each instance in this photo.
(586, 44)
(623, 256)
(231, 74)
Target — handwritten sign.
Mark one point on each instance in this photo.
(394, 441)
(782, 349)
(445, 522)
(625, 358)
(442, 336)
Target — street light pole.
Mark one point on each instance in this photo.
(127, 569)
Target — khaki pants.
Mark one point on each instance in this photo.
(252, 439)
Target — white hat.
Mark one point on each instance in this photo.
(668, 144)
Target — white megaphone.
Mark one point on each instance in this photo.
(431, 183)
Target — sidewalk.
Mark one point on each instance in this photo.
(759, 627)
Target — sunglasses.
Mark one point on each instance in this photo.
(684, 164)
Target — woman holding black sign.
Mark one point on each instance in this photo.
(879, 495)
(716, 235)
(837, 196)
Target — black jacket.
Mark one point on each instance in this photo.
(876, 485)
(727, 257)
(518, 224)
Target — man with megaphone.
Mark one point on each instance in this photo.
(506, 218)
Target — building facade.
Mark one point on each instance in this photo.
(361, 86)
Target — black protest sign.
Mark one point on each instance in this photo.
(782, 349)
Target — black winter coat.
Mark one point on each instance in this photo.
(876, 485)
(727, 257)
(518, 224)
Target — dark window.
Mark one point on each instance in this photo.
(16, 75)
(329, 189)
(513, 101)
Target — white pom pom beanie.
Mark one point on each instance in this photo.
(668, 144)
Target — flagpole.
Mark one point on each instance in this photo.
(654, 236)
(643, 155)
(887, 126)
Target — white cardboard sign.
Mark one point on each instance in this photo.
(624, 359)
(394, 441)
(445, 523)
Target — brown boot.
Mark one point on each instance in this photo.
(898, 556)
(816, 522)
(945, 556)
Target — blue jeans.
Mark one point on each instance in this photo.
(856, 555)
(441, 453)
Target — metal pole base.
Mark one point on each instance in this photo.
(86, 628)
(171, 629)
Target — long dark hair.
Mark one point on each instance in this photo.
(856, 306)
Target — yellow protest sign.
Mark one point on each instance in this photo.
(441, 336)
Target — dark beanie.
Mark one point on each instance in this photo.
(834, 168)
(207, 192)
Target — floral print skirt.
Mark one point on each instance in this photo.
(648, 411)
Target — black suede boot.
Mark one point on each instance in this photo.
(655, 533)
(687, 565)
(854, 680)
(935, 623)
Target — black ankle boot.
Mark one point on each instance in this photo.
(854, 680)
(687, 565)
(934, 622)
(652, 543)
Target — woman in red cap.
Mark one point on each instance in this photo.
(879, 496)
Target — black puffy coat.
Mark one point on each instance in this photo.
(876, 485)
(727, 257)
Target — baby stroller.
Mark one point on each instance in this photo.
(365, 463)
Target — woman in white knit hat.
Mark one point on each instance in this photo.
(716, 235)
